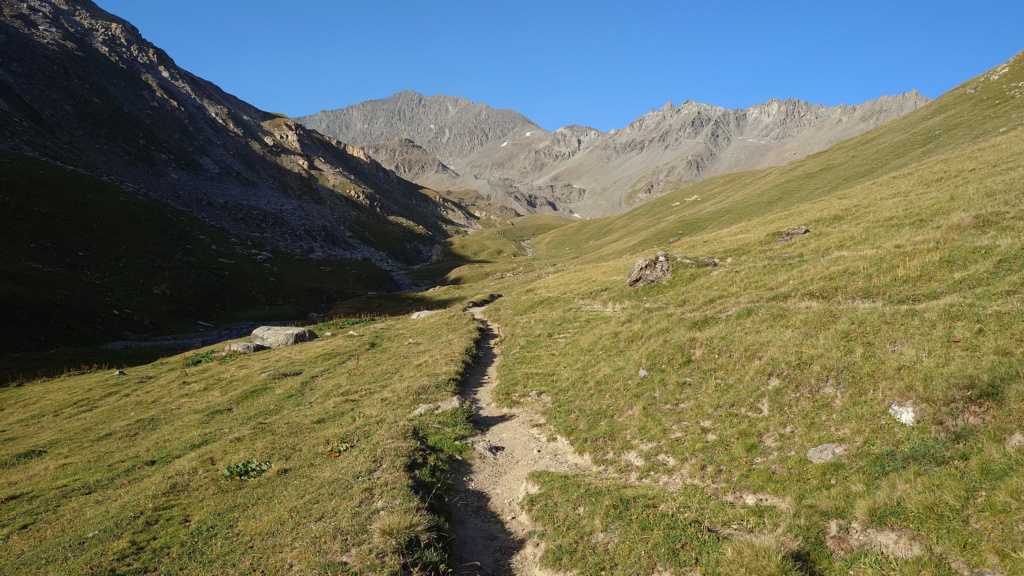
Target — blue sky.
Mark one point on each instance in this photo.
(578, 62)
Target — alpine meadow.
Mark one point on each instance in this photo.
(821, 372)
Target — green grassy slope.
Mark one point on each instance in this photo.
(907, 290)
(985, 107)
(105, 474)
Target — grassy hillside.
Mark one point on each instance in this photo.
(906, 295)
(105, 474)
(907, 291)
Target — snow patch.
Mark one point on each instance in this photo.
(528, 134)
(505, 143)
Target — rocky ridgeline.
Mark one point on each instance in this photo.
(512, 162)
(448, 127)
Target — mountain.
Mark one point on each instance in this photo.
(677, 145)
(83, 88)
(104, 140)
(848, 401)
(450, 128)
(580, 170)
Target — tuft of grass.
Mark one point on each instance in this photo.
(197, 358)
(743, 557)
(247, 469)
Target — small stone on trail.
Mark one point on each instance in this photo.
(328, 333)
(825, 453)
(487, 449)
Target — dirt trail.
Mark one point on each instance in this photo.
(490, 529)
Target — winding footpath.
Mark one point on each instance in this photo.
(489, 527)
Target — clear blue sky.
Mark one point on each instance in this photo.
(589, 62)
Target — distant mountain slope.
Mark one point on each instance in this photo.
(531, 170)
(676, 145)
(450, 128)
(82, 87)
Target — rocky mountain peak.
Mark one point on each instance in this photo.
(448, 127)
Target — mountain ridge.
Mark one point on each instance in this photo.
(657, 152)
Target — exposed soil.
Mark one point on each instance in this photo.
(490, 529)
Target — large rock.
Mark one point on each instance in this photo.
(278, 336)
(647, 271)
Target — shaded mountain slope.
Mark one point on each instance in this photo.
(100, 132)
(84, 88)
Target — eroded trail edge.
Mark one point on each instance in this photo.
(490, 528)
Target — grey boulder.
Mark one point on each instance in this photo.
(278, 336)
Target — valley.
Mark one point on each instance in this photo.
(485, 394)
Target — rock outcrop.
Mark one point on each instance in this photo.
(651, 271)
(501, 154)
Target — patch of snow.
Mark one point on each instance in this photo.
(528, 134)
(577, 215)
(505, 143)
